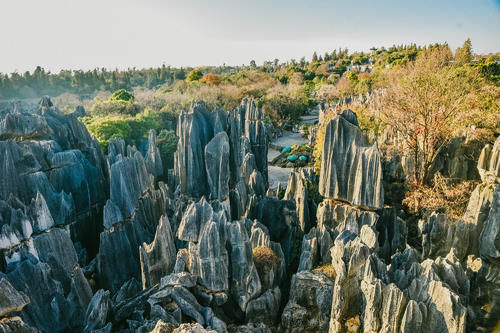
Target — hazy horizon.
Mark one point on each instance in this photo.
(72, 34)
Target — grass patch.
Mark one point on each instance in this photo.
(326, 269)
(264, 258)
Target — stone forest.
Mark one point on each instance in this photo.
(110, 242)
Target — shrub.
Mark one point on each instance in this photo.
(131, 129)
(443, 195)
(264, 258)
(121, 95)
(286, 103)
(121, 102)
(326, 269)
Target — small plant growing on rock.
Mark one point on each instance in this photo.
(326, 269)
(264, 258)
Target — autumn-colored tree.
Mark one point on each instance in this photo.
(211, 78)
(426, 102)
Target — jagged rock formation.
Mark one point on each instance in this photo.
(351, 169)
(158, 258)
(308, 309)
(489, 163)
(219, 151)
(131, 216)
(297, 189)
(97, 243)
(153, 158)
(51, 187)
(11, 300)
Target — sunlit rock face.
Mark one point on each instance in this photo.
(217, 150)
(351, 169)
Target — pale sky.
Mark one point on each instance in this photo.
(85, 34)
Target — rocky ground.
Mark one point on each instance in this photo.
(95, 243)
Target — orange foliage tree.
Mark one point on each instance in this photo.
(211, 78)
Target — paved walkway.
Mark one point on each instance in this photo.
(289, 139)
(280, 175)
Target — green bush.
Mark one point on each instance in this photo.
(131, 129)
(121, 95)
(120, 103)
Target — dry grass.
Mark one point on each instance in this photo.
(452, 198)
(326, 269)
(264, 258)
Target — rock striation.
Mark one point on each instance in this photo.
(222, 155)
(351, 169)
(99, 243)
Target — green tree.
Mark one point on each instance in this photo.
(463, 55)
(315, 57)
(194, 75)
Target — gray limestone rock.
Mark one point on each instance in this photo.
(48, 309)
(297, 190)
(153, 158)
(309, 256)
(265, 308)
(208, 258)
(336, 217)
(489, 163)
(129, 180)
(217, 166)
(112, 214)
(11, 300)
(489, 246)
(181, 261)
(178, 279)
(194, 219)
(158, 258)
(309, 305)
(351, 169)
(97, 311)
(39, 213)
(188, 304)
(245, 283)
(280, 217)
